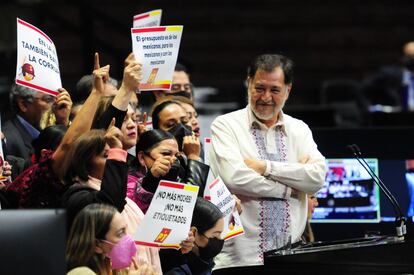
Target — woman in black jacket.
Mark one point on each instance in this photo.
(159, 159)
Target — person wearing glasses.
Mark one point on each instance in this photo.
(181, 85)
(269, 160)
(30, 107)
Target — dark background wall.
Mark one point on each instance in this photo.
(326, 39)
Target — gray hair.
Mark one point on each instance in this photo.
(267, 63)
(18, 91)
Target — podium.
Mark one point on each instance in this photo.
(374, 255)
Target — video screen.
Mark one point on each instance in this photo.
(349, 193)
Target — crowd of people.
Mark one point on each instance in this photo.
(90, 151)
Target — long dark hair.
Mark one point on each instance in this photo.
(205, 215)
(49, 138)
(150, 139)
(80, 155)
(90, 224)
(157, 109)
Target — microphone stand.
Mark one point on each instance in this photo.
(400, 219)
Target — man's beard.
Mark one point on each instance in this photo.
(264, 115)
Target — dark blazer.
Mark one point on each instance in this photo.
(18, 140)
(386, 87)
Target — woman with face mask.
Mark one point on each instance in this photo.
(170, 116)
(207, 225)
(98, 243)
(101, 177)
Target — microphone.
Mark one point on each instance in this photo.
(400, 219)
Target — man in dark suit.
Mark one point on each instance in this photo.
(393, 85)
(30, 106)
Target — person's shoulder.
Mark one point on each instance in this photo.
(11, 124)
(82, 270)
(292, 123)
(232, 116)
(292, 120)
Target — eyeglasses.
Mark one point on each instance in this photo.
(46, 98)
(182, 87)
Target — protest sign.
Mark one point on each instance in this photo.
(2, 178)
(222, 198)
(210, 177)
(37, 61)
(156, 49)
(167, 221)
(147, 19)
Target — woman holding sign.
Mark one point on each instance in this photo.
(159, 159)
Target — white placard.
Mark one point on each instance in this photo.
(210, 177)
(37, 61)
(223, 199)
(2, 178)
(1, 145)
(156, 49)
(147, 19)
(168, 219)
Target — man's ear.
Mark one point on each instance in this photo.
(288, 89)
(247, 82)
(22, 104)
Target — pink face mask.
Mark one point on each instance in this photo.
(122, 252)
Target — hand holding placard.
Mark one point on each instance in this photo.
(132, 74)
(226, 202)
(167, 221)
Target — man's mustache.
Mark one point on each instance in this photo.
(261, 102)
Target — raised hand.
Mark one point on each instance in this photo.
(62, 107)
(100, 75)
(141, 125)
(132, 74)
(113, 136)
(191, 147)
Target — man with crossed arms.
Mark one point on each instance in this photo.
(269, 160)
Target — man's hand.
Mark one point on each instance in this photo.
(259, 166)
(132, 74)
(62, 107)
(100, 75)
(238, 204)
(304, 159)
(191, 147)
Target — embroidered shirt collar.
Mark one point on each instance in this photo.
(253, 121)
